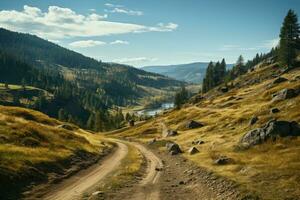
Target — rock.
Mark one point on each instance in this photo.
(97, 193)
(173, 148)
(223, 160)
(224, 89)
(67, 127)
(284, 94)
(253, 120)
(279, 80)
(198, 142)
(193, 150)
(181, 183)
(274, 110)
(171, 133)
(193, 124)
(158, 169)
(271, 129)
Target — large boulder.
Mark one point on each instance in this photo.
(173, 148)
(193, 150)
(193, 124)
(271, 129)
(284, 94)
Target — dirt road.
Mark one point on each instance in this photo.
(74, 187)
(165, 177)
(148, 188)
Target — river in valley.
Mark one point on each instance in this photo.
(154, 111)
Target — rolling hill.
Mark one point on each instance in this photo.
(192, 72)
(81, 87)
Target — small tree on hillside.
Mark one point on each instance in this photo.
(181, 97)
(289, 39)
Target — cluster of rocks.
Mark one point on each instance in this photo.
(271, 129)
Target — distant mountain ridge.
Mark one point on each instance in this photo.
(191, 72)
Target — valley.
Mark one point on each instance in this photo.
(75, 127)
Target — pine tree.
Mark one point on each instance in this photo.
(289, 39)
(223, 69)
(98, 122)
(181, 97)
(90, 122)
(61, 114)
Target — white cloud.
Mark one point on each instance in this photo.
(121, 9)
(267, 44)
(161, 27)
(92, 10)
(86, 43)
(126, 11)
(57, 23)
(113, 5)
(119, 42)
(134, 60)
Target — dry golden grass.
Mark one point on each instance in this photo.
(29, 138)
(271, 170)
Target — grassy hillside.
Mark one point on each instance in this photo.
(81, 87)
(35, 148)
(271, 170)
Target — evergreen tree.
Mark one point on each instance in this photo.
(181, 97)
(23, 82)
(90, 122)
(98, 122)
(61, 114)
(289, 39)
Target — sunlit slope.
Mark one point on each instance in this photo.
(32, 146)
(272, 169)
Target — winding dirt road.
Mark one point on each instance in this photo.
(74, 187)
(85, 181)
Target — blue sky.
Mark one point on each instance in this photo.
(142, 32)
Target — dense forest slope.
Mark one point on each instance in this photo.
(83, 89)
(221, 118)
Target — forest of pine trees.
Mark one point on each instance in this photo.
(286, 53)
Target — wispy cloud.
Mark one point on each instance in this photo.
(87, 43)
(119, 42)
(126, 11)
(267, 44)
(122, 9)
(134, 60)
(57, 23)
(113, 5)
